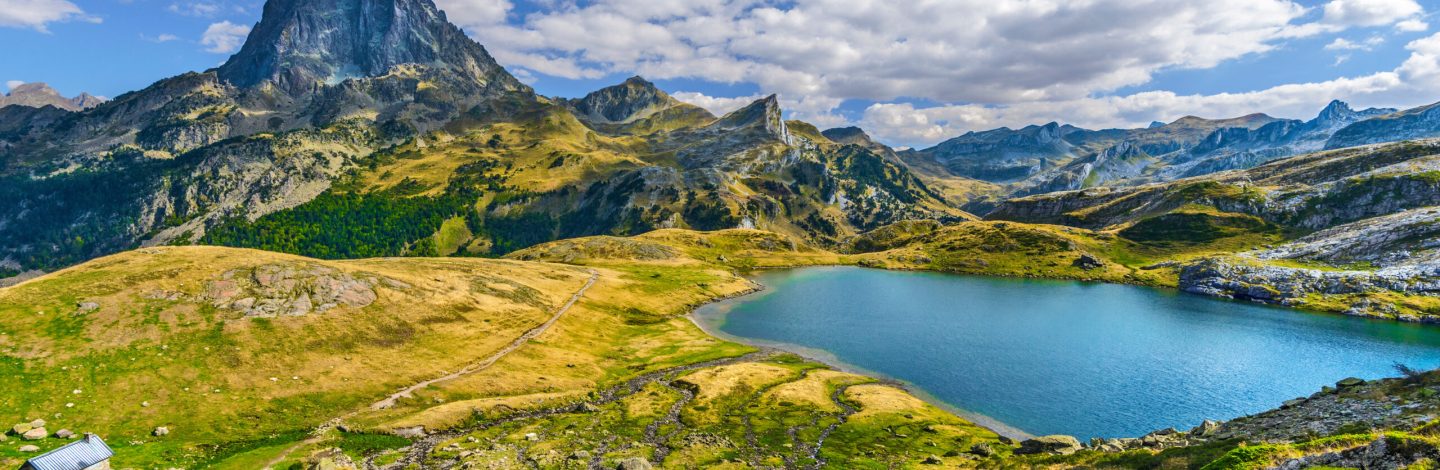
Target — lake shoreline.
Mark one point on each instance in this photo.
(711, 317)
(831, 360)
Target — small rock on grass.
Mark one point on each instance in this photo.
(35, 434)
(634, 463)
(161, 431)
(28, 448)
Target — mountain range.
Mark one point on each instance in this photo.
(387, 108)
(366, 128)
(1053, 157)
(39, 95)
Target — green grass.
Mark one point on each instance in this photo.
(452, 236)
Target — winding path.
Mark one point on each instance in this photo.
(470, 369)
(493, 358)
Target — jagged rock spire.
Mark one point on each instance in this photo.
(300, 44)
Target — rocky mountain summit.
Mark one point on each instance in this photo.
(39, 95)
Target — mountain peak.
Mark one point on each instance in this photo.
(632, 99)
(39, 95)
(764, 111)
(300, 44)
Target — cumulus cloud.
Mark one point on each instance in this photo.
(983, 62)
(1412, 26)
(224, 37)
(475, 13)
(986, 51)
(716, 105)
(37, 14)
(1418, 78)
(1371, 12)
(13, 84)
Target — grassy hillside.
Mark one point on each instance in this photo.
(144, 339)
(167, 337)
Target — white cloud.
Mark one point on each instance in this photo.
(475, 13)
(224, 37)
(13, 84)
(36, 14)
(717, 106)
(1412, 26)
(194, 8)
(1371, 12)
(1415, 81)
(1342, 44)
(985, 51)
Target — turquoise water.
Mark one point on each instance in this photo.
(1056, 357)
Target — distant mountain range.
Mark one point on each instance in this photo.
(39, 95)
(1055, 157)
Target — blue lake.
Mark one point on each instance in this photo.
(1058, 357)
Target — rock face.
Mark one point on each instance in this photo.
(1385, 452)
(302, 44)
(291, 290)
(39, 95)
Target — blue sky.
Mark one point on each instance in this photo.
(911, 74)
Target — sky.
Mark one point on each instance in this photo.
(910, 72)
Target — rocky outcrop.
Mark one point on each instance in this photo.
(1251, 280)
(292, 290)
(1387, 452)
(1407, 237)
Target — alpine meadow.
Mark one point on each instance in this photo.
(840, 234)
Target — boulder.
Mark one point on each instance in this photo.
(28, 449)
(932, 460)
(982, 449)
(35, 434)
(160, 431)
(21, 428)
(634, 463)
(39, 423)
(1088, 262)
(86, 307)
(1056, 445)
(1350, 382)
(64, 434)
(1206, 428)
